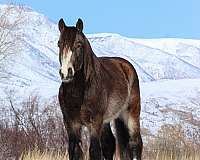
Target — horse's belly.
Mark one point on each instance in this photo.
(115, 108)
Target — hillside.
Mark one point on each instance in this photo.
(169, 70)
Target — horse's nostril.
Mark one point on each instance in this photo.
(70, 72)
(62, 75)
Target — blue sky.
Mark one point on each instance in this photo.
(132, 18)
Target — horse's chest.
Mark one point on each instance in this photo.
(73, 102)
(72, 108)
(84, 114)
(81, 110)
(90, 111)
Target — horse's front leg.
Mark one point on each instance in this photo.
(74, 148)
(95, 151)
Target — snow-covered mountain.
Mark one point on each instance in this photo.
(169, 70)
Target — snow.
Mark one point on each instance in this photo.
(168, 69)
(162, 101)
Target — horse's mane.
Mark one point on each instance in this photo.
(91, 62)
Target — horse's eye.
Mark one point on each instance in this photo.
(79, 46)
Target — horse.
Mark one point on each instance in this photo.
(94, 92)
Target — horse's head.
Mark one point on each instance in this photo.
(71, 49)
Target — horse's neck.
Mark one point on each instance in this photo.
(94, 59)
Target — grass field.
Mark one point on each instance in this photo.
(46, 155)
(148, 155)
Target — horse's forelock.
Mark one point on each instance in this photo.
(69, 36)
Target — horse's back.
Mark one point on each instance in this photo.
(122, 66)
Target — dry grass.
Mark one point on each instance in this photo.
(45, 155)
(151, 155)
(36, 154)
(172, 155)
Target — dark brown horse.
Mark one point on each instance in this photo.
(95, 91)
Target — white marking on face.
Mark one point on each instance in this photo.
(66, 62)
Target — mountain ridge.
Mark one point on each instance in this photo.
(168, 69)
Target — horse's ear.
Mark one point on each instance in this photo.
(61, 25)
(79, 25)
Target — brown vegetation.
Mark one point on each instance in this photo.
(171, 144)
(34, 130)
(30, 124)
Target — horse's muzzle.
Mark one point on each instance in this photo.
(67, 78)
